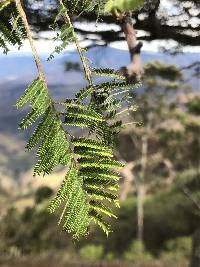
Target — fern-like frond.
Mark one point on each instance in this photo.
(78, 122)
(89, 115)
(64, 33)
(101, 183)
(84, 6)
(92, 172)
(42, 129)
(54, 149)
(37, 96)
(65, 36)
(89, 5)
(91, 152)
(106, 72)
(100, 163)
(98, 219)
(99, 194)
(75, 215)
(99, 207)
(84, 93)
(90, 186)
(90, 143)
(54, 146)
(30, 92)
(113, 85)
(102, 88)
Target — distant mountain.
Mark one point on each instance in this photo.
(19, 68)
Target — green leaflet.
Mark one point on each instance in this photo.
(100, 163)
(75, 218)
(65, 35)
(42, 129)
(123, 5)
(52, 150)
(101, 183)
(71, 105)
(84, 93)
(56, 151)
(98, 218)
(100, 194)
(35, 93)
(108, 72)
(79, 6)
(89, 115)
(89, 5)
(113, 85)
(12, 31)
(77, 122)
(91, 152)
(89, 143)
(92, 172)
(99, 207)
(54, 147)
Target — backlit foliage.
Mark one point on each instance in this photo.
(90, 187)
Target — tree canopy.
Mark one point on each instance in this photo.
(178, 20)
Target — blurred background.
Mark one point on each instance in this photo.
(158, 222)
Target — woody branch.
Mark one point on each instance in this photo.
(133, 71)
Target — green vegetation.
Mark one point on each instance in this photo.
(167, 223)
(137, 253)
(154, 132)
(88, 189)
(123, 5)
(177, 250)
(170, 216)
(91, 252)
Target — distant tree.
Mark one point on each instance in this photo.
(72, 66)
(182, 143)
(191, 158)
(147, 166)
(192, 129)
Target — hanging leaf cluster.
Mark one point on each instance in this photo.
(89, 191)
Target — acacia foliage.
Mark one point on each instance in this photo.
(90, 186)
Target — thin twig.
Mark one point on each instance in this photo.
(132, 123)
(62, 214)
(29, 35)
(133, 71)
(88, 73)
(122, 111)
(37, 59)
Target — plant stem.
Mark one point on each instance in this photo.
(29, 35)
(88, 73)
(37, 59)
